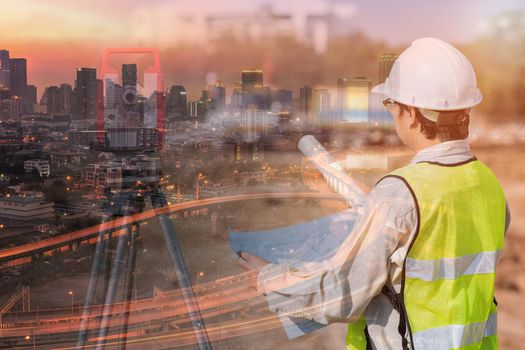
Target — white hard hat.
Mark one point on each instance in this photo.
(432, 75)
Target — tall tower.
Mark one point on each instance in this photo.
(52, 100)
(236, 99)
(176, 102)
(18, 77)
(112, 95)
(284, 97)
(321, 107)
(66, 95)
(86, 90)
(305, 102)
(31, 97)
(252, 80)
(5, 67)
(218, 96)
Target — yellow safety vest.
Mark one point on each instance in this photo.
(447, 289)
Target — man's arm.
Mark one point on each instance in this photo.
(339, 289)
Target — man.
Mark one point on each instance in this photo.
(418, 269)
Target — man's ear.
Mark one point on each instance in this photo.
(411, 115)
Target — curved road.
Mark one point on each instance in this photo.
(226, 293)
(121, 222)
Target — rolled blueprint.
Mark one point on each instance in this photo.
(337, 179)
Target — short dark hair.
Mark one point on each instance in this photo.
(451, 125)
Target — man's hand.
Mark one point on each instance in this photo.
(250, 261)
(253, 264)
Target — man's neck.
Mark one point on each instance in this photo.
(423, 143)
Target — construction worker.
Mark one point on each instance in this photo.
(418, 269)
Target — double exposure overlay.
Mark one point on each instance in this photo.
(210, 174)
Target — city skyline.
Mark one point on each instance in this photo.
(193, 94)
(79, 100)
(92, 28)
(148, 146)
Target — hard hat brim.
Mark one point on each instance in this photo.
(382, 90)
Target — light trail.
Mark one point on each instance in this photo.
(225, 296)
(121, 222)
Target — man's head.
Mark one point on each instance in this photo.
(417, 131)
(430, 91)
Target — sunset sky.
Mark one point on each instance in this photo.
(58, 35)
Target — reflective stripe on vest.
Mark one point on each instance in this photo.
(455, 336)
(452, 268)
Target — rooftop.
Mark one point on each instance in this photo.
(22, 199)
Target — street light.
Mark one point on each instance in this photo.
(200, 274)
(71, 293)
(28, 337)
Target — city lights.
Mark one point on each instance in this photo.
(148, 149)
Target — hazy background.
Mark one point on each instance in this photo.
(58, 35)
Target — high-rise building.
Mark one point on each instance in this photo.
(284, 97)
(321, 107)
(5, 67)
(112, 94)
(66, 96)
(305, 103)
(193, 109)
(253, 94)
(18, 77)
(253, 124)
(218, 96)
(261, 99)
(129, 81)
(353, 99)
(52, 99)
(99, 96)
(204, 104)
(385, 63)
(252, 80)
(236, 100)
(10, 107)
(31, 95)
(86, 89)
(31, 102)
(176, 102)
